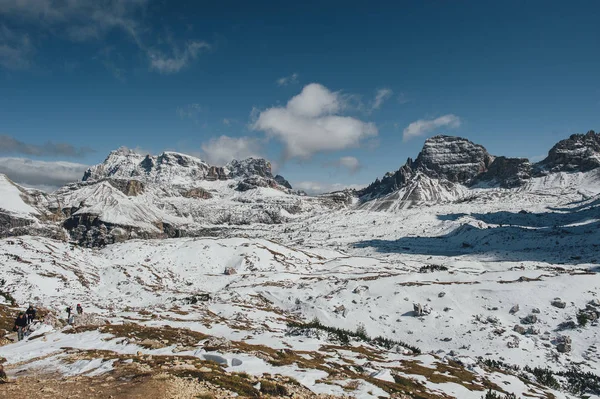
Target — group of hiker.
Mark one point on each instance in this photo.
(70, 316)
(24, 319)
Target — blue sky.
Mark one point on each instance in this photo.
(335, 93)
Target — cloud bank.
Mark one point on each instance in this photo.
(10, 145)
(43, 175)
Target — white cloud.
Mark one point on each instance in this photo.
(350, 163)
(221, 150)
(309, 123)
(381, 96)
(178, 59)
(288, 80)
(47, 176)
(424, 126)
(313, 188)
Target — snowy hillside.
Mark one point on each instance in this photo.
(460, 273)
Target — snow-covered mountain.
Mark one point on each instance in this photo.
(461, 272)
(451, 168)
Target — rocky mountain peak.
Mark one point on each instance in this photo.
(452, 158)
(578, 153)
(250, 167)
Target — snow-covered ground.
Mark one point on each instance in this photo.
(349, 268)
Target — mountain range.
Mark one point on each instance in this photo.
(173, 195)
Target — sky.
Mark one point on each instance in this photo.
(334, 93)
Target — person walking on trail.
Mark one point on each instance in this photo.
(30, 313)
(21, 325)
(69, 318)
(79, 309)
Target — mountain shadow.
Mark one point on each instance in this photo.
(559, 238)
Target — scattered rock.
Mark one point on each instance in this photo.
(441, 294)
(230, 271)
(520, 329)
(558, 303)
(535, 310)
(594, 302)
(493, 320)
(514, 309)
(564, 344)
(530, 319)
(420, 310)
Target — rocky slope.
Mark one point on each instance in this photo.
(170, 195)
(450, 161)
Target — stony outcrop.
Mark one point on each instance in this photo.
(216, 173)
(283, 182)
(452, 158)
(578, 153)
(445, 158)
(198, 193)
(130, 188)
(250, 167)
(507, 172)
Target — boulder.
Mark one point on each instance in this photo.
(514, 309)
(421, 310)
(520, 329)
(229, 271)
(530, 319)
(558, 303)
(563, 344)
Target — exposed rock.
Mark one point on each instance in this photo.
(563, 344)
(594, 302)
(535, 310)
(507, 172)
(441, 294)
(127, 164)
(253, 182)
(454, 159)
(558, 303)
(519, 329)
(493, 320)
(250, 167)
(130, 188)
(530, 319)
(216, 173)
(514, 309)
(283, 182)
(198, 193)
(578, 153)
(420, 310)
(230, 271)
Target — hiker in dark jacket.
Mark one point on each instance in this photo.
(30, 314)
(79, 309)
(21, 325)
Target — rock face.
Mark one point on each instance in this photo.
(445, 162)
(250, 167)
(507, 172)
(446, 158)
(578, 153)
(129, 171)
(167, 168)
(452, 158)
(283, 182)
